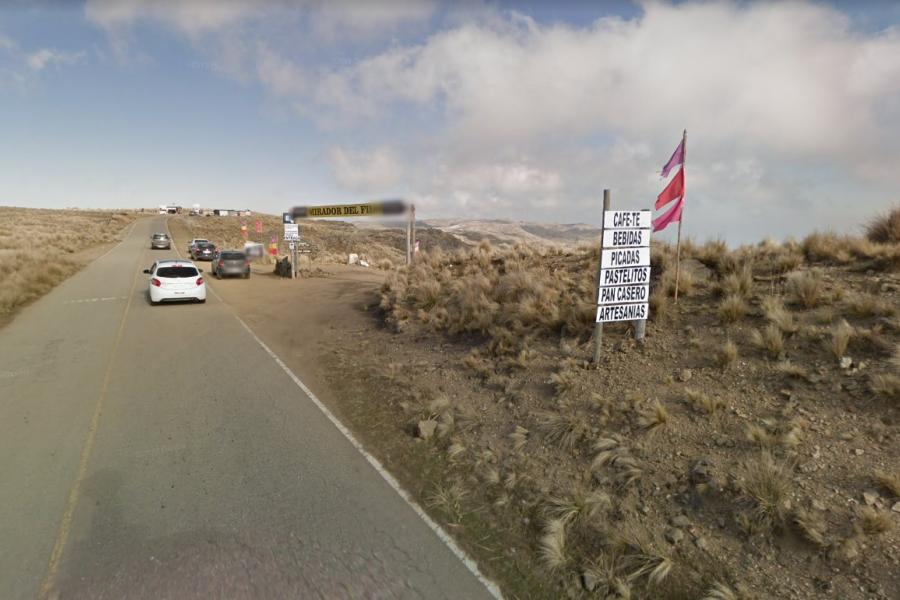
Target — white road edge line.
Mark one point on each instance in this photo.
(448, 541)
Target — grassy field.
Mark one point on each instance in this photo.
(750, 448)
(39, 248)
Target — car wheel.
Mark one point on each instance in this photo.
(202, 301)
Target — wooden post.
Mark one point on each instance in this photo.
(412, 219)
(680, 217)
(598, 327)
(409, 238)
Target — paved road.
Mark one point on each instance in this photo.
(159, 452)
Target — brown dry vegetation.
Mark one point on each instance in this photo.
(659, 473)
(39, 248)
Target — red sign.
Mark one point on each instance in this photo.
(259, 227)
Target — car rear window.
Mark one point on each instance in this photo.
(160, 236)
(176, 272)
(232, 256)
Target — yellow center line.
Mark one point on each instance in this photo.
(65, 526)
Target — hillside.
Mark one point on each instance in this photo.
(472, 231)
(750, 448)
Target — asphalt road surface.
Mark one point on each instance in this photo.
(160, 452)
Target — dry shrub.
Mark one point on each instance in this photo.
(806, 287)
(738, 283)
(519, 437)
(686, 282)
(716, 255)
(885, 229)
(612, 452)
(886, 385)
(722, 591)
(553, 545)
(660, 305)
(727, 355)
(702, 402)
(811, 526)
(733, 308)
(449, 500)
(654, 417)
(766, 485)
(790, 369)
(889, 482)
(869, 305)
(775, 311)
(826, 247)
(644, 557)
(579, 505)
(769, 339)
(565, 427)
(841, 333)
(874, 522)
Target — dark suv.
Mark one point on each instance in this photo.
(203, 251)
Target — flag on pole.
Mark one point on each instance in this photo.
(673, 191)
(672, 216)
(677, 159)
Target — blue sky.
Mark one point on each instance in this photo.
(517, 110)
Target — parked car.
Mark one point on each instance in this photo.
(175, 280)
(196, 241)
(231, 262)
(160, 241)
(203, 251)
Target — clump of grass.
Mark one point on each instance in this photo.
(738, 283)
(766, 484)
(769, 339)
(874, 522)
(660, 305)
(727, 355)
(790, 369)
(643, 557)
(886, 385)
(612, 452)
(889, 482)
(841, 333)
(733, 308)
(806, 287)
(885, 229)
(553, 545)
(565, 427)
(869, 305)
(449, 500)
(565, 379)
(519, 437)
(811, 526)
(722, 591)
(654, 417)
(580, 504)
(772, 434)
(701, 402)
(777, 314)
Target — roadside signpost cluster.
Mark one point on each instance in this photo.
(623, 275)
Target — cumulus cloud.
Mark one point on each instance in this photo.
(38, 61)
(374, 171)
(193, 17)
(789, 108)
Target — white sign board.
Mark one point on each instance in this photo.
(626, 238)
(626, 276)
(627, 257)
(622, 312)
(627, 219)
(623, 293)
(291, 231)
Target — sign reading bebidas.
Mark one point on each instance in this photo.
(624, 266)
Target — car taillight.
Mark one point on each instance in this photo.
(199, 281)
(221, 263)
(156, 282)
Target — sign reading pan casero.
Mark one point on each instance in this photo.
(368, 209)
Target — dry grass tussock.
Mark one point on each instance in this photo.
(766, 485)
(885, 229)
(806, 287)
(26, 270)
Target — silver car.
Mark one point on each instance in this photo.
(231, 262)
(160, 241)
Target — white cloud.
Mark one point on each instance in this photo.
(39, 60)
(192, 17)
(374, 171)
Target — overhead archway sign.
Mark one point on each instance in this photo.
(368, 209)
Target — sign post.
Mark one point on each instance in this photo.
(291, 235)
(623, 277)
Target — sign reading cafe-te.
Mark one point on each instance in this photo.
(624, 266)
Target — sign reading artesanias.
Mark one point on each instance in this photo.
(367, 209)
(624, 266)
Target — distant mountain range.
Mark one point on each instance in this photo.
(499, 232)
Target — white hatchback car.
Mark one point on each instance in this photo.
(176, 280)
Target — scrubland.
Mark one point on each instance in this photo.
(749, 448)
(40, 248)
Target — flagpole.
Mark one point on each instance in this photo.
(681, 216)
